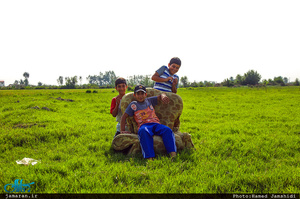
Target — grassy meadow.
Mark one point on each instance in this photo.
(247, 140)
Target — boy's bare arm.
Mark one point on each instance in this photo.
(174, 89)
(174, 85)
(115, 111)
(157, 78)
(164, 98)
(123, 121)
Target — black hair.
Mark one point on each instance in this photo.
(175, 60)
(120, 80)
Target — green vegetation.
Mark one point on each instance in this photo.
(107, 80)
(247, 140)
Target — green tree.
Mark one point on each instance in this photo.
(278, 80)
(71, 82)
(103, 79)
(209, 84)
(137, 79)
(271, 82)
(26, 75)
(227, 82)
(146, 81)
(92, 79)
(26, 82)
(111, 78)
(201, 84)
(296, 83)
(194, 84)
(265, 82)
(251, 77)
(74, 80)
(80, 79)
(184, 81)
(60, 80)
(239, 79)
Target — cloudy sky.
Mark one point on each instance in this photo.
(214, 39)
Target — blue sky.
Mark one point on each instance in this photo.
(214, 39)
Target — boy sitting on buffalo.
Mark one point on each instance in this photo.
(148, 123)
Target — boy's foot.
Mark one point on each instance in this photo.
(173, 159)
(173, 156)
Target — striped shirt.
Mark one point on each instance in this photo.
(163, 72)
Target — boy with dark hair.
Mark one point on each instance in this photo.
(115, 107)
(148, 123)
(165, 77)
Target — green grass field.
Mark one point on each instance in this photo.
(247, 140)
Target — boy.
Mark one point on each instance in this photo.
(165, 78)
(148, 123)
(115, 107)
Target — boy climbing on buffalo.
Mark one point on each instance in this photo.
(165, 77)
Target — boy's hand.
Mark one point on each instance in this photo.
(125, 132)
(118, 99)
(164, 98)
(175, 81)
(169, 79)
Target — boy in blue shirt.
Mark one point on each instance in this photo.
(148, 123)
(165, 77)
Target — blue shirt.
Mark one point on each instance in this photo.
(143, 112)
(163, 72)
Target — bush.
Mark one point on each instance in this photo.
(130, 88)
(296, 83)
(251, 77)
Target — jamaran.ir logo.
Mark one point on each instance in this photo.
(18, 187)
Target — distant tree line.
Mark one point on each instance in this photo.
(184, 82)
(253, 78)
(107, 80)
(103, 80)
(22, 83)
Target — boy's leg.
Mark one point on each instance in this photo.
(146, 140)
(168, 137)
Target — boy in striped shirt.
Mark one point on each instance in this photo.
(165, 77)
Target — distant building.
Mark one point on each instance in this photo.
(2, 83)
